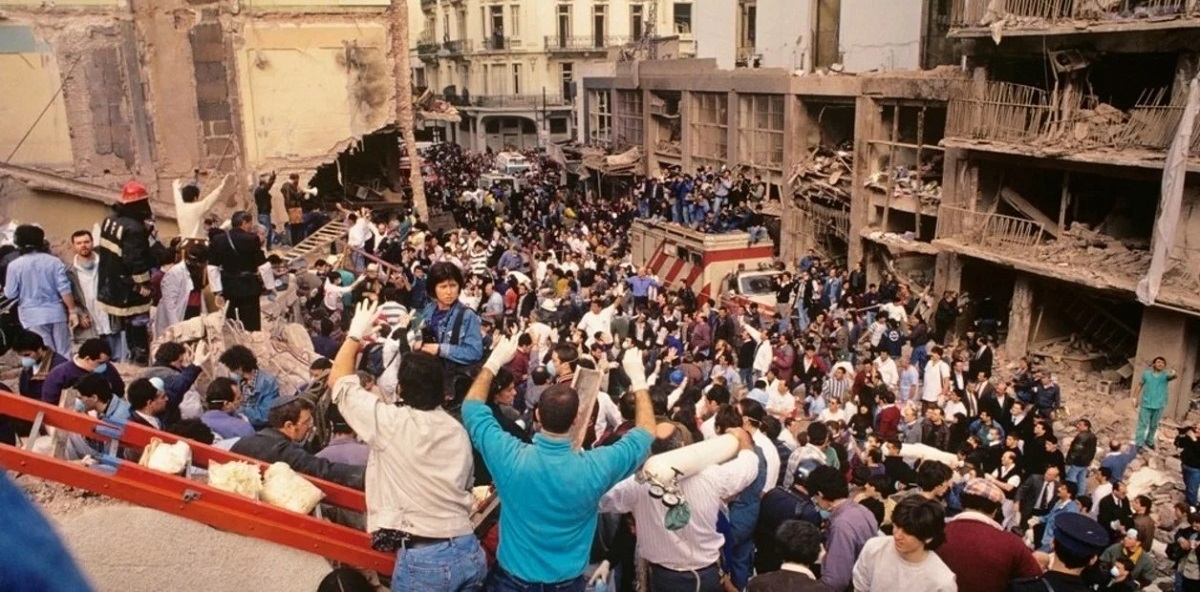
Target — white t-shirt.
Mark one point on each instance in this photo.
(934, 373)
(881, 569)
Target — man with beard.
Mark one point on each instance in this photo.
(125, 264)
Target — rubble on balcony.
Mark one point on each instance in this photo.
(1043, 14)
(668, 147)
(925, 186)
(626, 163)
(825, 175)
(430, 107)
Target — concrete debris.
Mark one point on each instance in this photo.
(825, 175)
(923, 183)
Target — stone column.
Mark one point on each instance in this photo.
(1170, 335)
(1019, 314)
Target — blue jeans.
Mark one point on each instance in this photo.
(265, 220)
(116, 342)
(453, 566)
(920, 355)
(56, 336)
(1191, 482)
(502, 581)
(757, 233)
(707, 579)
(1078, 477)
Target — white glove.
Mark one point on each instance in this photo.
(200, 354)
(601, 573)
(635, 370)
(363, 323)
(503, 352)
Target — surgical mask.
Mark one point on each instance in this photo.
(824, 513)
(87, 265)
(550, 367)
(101, 368)
(79, 406)
(1116, 573)
(28, 362)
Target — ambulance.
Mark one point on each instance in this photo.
(721, 268)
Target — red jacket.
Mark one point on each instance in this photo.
(983, 557)
(889, 422)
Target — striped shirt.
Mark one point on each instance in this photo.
(836, 389)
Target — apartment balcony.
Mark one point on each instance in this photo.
(428, 4)
(983, 18)
(1023, 120)
(457, 47)
(427, 48)
(582, 44)
(517, 101)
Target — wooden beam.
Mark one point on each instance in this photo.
(1029, 210)
(1062, 204)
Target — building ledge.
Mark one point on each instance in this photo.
(1049, 28)
(1128, 157)
(896, 242)
(1097, 277)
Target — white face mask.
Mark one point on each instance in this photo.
(1116, 573)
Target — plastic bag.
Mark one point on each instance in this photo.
(238, 477)
(284, 488)
(172, 459)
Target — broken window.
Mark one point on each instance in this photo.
(761, 131)
(683, 18)
(710, 129)
(824, 176)
(664, 114)
(629, 127)
(600, 116)
(906, 169)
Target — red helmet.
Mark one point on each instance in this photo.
(133, 192)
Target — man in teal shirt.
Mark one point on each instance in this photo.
(549, 492)
(1150, 393)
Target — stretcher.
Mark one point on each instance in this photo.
(120, 479)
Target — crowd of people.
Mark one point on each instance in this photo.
(877, 449)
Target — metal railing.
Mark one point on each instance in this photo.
(457, 46)
(517, 100)
(495, 43)
(560, 43)
(1026, 13)
(987, 229)
(428, 49)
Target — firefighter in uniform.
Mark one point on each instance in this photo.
(1077, 541)
(126, 260)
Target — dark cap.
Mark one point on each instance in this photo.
(1079, 535)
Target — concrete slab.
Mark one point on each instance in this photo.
(135, 549)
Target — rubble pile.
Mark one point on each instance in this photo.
(1156, 473)
(923, 184)
(824, 176)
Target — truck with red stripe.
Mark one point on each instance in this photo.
(720, 268)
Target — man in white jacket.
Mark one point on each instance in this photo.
(190, 209)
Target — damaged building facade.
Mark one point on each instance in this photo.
(102, 91)
(1018, 160)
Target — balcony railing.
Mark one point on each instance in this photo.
(428, 4)
(495, 43)
(1025, 116)
(457, 47)
(986, 229)
(559, 43)
(427, 49)
(517, 101)
(972, 14)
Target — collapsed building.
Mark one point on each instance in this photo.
(1026, 169)
(102, 91)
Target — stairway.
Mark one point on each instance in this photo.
(317, 241)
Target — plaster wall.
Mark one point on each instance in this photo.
(715, 26)
(31, 82)
(309, 89)
(878, 35)
(783, 33)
